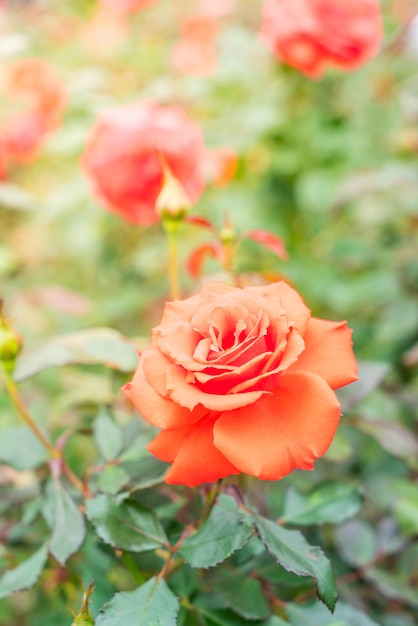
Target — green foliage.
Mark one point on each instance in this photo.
(153, 603)
(243, 594)
(68, 528)
(24, 575)
(98, 345)
(331, 503)
(314, 614)
(125, 524)
(224, 532)
(107, 435)
(292, 551)
(20, 449)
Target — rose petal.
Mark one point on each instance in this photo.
(328, 353)
(227, 382)
(189, 395)
(197, 460)
(156, 409)
(277, 363)
(155, 366)
(281, 432)
(166, 445)
(281, 294)
(180, 344)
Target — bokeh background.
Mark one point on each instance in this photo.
(330, 166)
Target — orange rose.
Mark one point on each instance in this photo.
(311, 34)
(241, 380)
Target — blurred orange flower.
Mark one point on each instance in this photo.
(242, 380)
(221, 165)
(126, 153)
(105, 31)
(195, 53)
(35, 96)
(311, 34)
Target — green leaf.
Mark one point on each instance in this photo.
(356, 542)
(223, 533)
(313, 614)
(113, 479)
(393, 586)
(243, 594)
(107, 435)
(404, 503)
(222, 617)
(24, 575)
(291, 550)
(125, 525)
(20, 449)
(331, 503)
(152, 604)
(146, 473)
(394, 438)
(102, 346)
(67, 523)
(137, 450)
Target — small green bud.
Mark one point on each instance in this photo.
(10, 344)
(228, 234)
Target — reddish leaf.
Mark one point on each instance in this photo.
(196, 258)
(198, 220)
(268, 240)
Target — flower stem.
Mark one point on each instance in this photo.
(171, 226)
(54, 453)
(17, 401)
(211, 498)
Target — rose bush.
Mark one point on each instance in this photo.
(311, 34)
(128, 149)
(241, 380)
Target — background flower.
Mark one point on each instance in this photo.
(311, 34)
(241, 380)
(34, 97)
(126, 152)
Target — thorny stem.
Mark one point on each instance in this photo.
(55, 454)
(75, 480)
(17, 401)
(211, 498)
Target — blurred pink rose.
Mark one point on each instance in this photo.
(34, 90)
(126, 152)
(311, 34)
